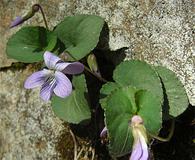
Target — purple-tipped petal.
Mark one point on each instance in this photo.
(60, 66)
(64, 86)
(50, 60)
(47, 88)
(73, 68)
(18, 20)
(36, 79)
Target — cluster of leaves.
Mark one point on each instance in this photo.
(154, 93)
(137, 88)
(75, 34)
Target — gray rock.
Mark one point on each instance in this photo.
(28, 127)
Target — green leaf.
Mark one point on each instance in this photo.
(51, 41)
(74, 108)
(140, 75)
(119, 108)
(80, 34)
(108, 88)
(175, 92)
(29, 44)
(149, 108)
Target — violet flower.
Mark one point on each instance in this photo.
(140, 148)
(53, 79)
(18, 20)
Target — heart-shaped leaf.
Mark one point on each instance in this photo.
(74, 108)
(174, 90)
(140, 75)
(119, 108)
(29, 44)
(80, 34)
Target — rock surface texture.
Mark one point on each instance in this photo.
(158, 31)
(28, 128)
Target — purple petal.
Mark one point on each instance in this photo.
(140, 149)
(47, 88)
(64, 86)
(70, 68)
(50, 60)
(18, 20)
(36, 79)
(60, 66)
(144, 149)
(137, 151)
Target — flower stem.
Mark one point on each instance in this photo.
(97, 76)
(168, 137)
(87, 69)
(43, 15)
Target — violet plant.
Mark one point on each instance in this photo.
(135, 101)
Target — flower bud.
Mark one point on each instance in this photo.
(92, 62)
(19, 20)
(140, 148)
